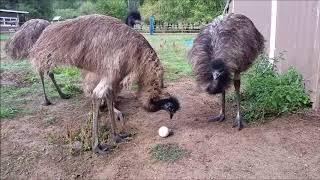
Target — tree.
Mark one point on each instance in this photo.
(114, 8)
(37, 8)
(182, 11)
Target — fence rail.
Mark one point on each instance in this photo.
(171, 27)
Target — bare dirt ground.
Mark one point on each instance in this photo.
(283, 148)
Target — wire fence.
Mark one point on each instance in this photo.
(171, 27)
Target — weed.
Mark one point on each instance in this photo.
(7, 112)
(168, 152)
(267, 93)
(50, 120)
(52, 138)
(31, 78)
(67, 71)
(84, 136)
(72, 89)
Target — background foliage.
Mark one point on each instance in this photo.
(267, 93)
(163, 10)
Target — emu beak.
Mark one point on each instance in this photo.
(215, 75)
(171, 115)
(137, 22)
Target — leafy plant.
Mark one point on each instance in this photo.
(267, 93)
(6, 112)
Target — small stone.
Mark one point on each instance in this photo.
(77, 145)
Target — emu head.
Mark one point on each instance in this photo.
(219, 78)
(170, 104)
(133, 18)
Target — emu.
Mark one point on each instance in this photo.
(133, 18)
(112, 50)
(20, 43)
(229, 44)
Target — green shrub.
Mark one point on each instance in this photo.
(267, 93)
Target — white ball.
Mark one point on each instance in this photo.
(163, 131)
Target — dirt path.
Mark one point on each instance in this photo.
(285, 148)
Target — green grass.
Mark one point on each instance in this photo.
(172, 51)
(7, 112)
(4, 36)
(168, 152)
(14, 99)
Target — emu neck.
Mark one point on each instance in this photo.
(150, 81)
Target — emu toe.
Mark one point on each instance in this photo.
(101, 149)
(119, 115)
(46, 103)
(121, 136)
(220, 118)
(238, 123)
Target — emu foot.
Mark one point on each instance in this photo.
(46, 103)
(65, 96)
(121, 136)
(221, 117)
(238, 122)
(119, 115)
(101, 149)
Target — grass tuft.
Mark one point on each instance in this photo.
(168, 152)
(7, 112)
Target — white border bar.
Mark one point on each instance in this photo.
(273, 28)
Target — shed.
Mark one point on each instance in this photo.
(291, 28)
(11, 20)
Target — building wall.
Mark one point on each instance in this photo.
(297, 35)
(258, 11)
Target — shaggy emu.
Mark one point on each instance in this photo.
(133, 18)
(20, 43)
(227, 45)
(104, 45)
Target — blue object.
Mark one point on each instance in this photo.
(188, 42)
(151, 25)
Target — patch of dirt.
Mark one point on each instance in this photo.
(284, 148)
(16, 78)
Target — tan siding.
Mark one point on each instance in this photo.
(297, 37)
(259, 12)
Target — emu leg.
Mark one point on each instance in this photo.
(239, 120)
(120, 118)
(119, 114)
(221, 115)
(61, 94)
(110, 103)
(46, 100)
(96, 146)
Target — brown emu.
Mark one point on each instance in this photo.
(227, 45)
(112, 50)
(20, 43)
